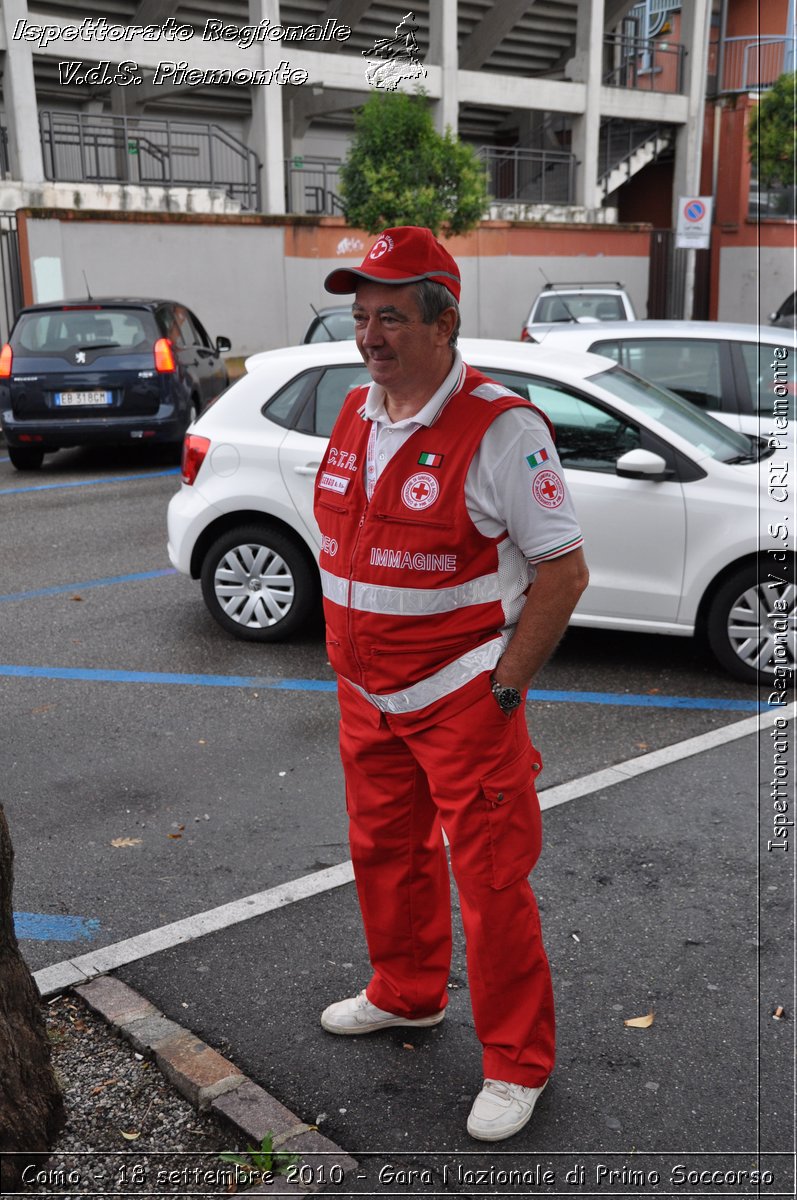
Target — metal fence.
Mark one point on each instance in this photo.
(643, 64)
(10, 273)
(529, 176)
(311, 186)
(751, 63)
(145, 150)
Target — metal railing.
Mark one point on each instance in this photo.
(749, 64)
(311, 186)
(643, 64)
(529, 176)
(100, 148)
(619, 140)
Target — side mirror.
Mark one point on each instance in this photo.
(642, 464)
(223, 344)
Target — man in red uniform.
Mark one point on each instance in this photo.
(451, 563)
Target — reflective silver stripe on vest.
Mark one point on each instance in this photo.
(441, 684)
(409, 602)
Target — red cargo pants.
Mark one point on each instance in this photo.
(470, 772)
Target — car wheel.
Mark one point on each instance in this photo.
(747, 633)
(258, 583)
(26, 458)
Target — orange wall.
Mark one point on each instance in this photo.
(746, 17)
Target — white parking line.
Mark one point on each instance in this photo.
(72, 971)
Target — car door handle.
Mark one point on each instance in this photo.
(312, 469)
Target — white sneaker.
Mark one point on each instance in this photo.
(501, 1109)
(359, 1015)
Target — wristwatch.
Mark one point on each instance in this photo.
(507, 698)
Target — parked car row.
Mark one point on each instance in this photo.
(645, 468)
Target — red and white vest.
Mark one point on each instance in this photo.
(411, 588)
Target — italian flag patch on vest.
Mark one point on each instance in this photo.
(429, 460)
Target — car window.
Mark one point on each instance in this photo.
(335, 327)
(689, 366)
(168, 322)
(200, 336)
(705, 432)
(565, 307)
(608, 350)
(331, 391)
(189, 335)
(70, 329)
(588, 437)
(281, 407)
(772, 375)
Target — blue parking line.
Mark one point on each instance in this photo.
(42, 927)
(266, 683)
(88, 583)
(49, 487)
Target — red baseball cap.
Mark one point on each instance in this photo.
(405, 254)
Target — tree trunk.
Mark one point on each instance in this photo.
(31, 1105)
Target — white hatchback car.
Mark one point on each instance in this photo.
(673, 504)
(723, 368)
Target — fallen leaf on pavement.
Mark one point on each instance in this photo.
(129, 1137)
(640, 1022)
(126, 842)
(408, 1046)
(75, 597)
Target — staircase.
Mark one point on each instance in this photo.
(625, 148)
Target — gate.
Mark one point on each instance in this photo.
(667, 279)
(10, 274)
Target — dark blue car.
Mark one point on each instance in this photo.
(104, 371)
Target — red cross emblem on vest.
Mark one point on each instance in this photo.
(420, 490)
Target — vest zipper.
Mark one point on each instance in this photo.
(349, 585)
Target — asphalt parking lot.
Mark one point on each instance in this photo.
(156, 769)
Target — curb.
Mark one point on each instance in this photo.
(212, 1083)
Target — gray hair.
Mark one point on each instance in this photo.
(433, 299)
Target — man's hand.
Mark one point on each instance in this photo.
(549, 603)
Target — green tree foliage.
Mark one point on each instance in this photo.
(401, 171)
(772, 133)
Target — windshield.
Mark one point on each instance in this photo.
(59, 331)
(679, 416)
(575, 307)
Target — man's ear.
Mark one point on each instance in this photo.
(446, 324)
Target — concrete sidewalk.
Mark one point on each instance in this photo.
(657, 895)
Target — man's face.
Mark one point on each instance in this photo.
(401, 353)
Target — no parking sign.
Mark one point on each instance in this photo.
(693, 230)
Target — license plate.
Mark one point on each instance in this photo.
(67, 399)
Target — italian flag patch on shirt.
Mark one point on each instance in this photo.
(429, 460)
(537, 458)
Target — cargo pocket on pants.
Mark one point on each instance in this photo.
(513, 817)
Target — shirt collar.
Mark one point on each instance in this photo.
(375, 400)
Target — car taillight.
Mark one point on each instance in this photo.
(525, 336)
(6, 358)
(164, 356)
(194, 450)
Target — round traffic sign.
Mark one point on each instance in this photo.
(694, 210)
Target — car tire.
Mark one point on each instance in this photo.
(235, 589)
(746, 633)
(26, 458)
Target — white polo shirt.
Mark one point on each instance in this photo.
(502, 485)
